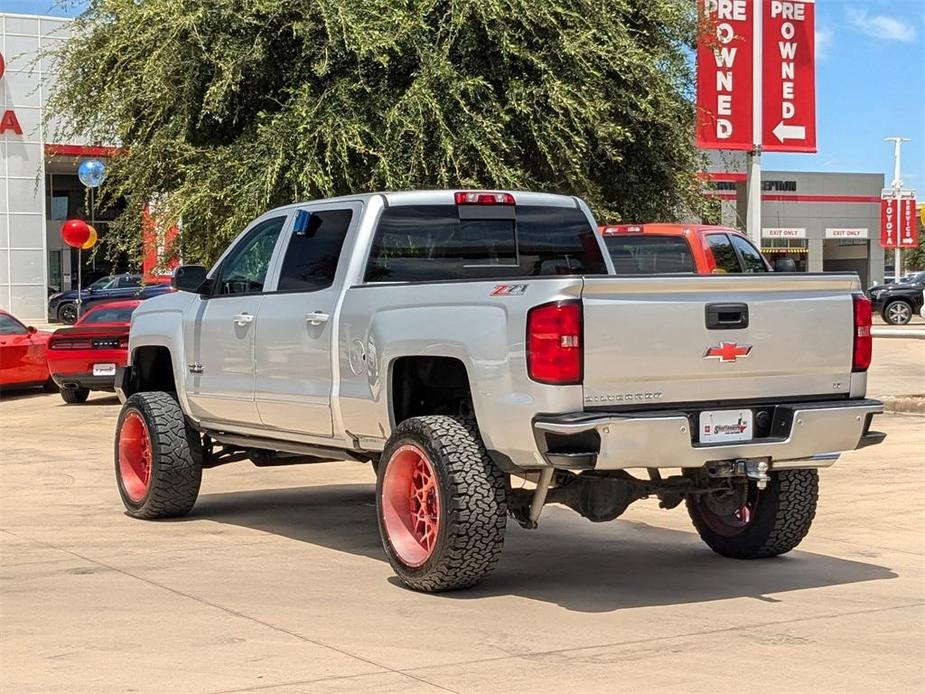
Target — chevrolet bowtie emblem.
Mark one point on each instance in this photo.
(727, 351)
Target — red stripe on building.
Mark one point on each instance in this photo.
(82, 151)
(778, 197)
(796, 197)
(722, 176)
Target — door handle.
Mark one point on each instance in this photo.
(243, 319)
(317, 317)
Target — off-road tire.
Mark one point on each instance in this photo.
(67, 313)
(176, 465)
(473, 508)
(783, 515)
(75, 396)
(893, 320)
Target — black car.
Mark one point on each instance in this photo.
(898, 302)
(63, 305)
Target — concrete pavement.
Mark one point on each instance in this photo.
(276, 583)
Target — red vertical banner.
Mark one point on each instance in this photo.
(788, 114)
(888, 231)
(159, 247)
(725, 83)
(908, 225)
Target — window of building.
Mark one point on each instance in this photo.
(312, 256)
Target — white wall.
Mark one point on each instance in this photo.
(23, 89)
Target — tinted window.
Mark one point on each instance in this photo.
(245, 268)
(649, 254)
(129, 281)
(109, 315)
(10, 326)
(445, 242)
(751, 258)
(103, 283)
(723, 253)
(312, 255)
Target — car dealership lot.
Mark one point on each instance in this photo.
(277, 581)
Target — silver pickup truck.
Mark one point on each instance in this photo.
(476, 348)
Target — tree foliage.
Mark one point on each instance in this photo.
(229, 107)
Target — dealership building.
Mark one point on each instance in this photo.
(824, 221)
(39, 188)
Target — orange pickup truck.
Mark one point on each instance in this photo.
(648, 249)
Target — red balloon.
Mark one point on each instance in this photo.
(75, 232)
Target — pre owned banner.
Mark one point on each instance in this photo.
(788, 119)
(725, 54)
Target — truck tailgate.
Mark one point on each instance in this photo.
(647, 340)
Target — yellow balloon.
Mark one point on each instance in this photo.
(91, 240)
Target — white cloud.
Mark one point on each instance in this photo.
(881, 26)
(825, 37)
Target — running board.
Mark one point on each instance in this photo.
(324, 453)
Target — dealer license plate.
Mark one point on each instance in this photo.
(104, 369)
(720, 426)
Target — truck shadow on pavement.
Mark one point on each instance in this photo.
(568, 561)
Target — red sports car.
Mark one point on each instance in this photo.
(22, 355)
(85, 356)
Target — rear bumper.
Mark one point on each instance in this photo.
(816, 433)
(84, 380)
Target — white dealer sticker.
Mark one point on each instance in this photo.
(719, 426)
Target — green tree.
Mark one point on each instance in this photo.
(229, 107)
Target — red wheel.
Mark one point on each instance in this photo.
(730, 524)
(440, 503)
(158, 457)
(411, 505)
(134, 456)
(749, 523)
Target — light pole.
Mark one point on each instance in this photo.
(897, 186)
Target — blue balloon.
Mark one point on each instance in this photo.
(91, 172)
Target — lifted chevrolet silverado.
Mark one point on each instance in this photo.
(475, 347)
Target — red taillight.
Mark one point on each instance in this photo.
(476, 197)
(554, 349)
(70, 344)
(863, 339)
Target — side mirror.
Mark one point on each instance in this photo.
(785, 265)
(190, 278)
(32, 330)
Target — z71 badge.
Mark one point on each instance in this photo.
(508, 290)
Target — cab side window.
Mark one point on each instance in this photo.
(245, 268)
(723, 253)
(313, 253)
(751, 258)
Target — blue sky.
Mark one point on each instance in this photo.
(870, 78)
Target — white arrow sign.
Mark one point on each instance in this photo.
(789, 132)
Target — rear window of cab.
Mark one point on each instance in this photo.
(426, 243)
(649, 254)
